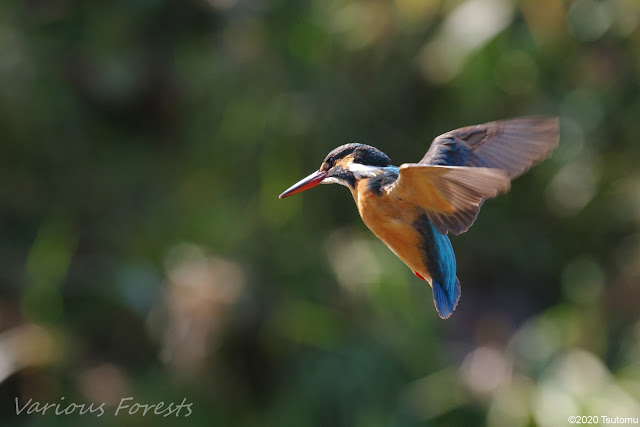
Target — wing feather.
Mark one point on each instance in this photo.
(511, 145)
(451, 196)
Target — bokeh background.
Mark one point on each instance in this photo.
(144, 251)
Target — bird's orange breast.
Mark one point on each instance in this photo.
(391, 220)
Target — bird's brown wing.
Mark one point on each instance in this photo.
(510, 145)
(451, 196)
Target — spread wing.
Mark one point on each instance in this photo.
(451, 196)
(511, 145)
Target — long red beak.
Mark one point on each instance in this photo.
(305, 184)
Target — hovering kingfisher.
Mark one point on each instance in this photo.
(411, 208)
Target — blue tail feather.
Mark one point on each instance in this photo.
(440, 263)
(444, 299)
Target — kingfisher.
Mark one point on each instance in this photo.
(413, 207)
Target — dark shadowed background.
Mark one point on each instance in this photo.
(144, 252)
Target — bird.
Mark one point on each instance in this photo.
(412, 208)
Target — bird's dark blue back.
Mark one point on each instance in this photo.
(450, 153)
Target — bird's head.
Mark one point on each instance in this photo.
(345, 166)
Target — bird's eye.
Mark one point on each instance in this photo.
(330, 162)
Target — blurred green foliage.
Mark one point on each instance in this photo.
(144, 251)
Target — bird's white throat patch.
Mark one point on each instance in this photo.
(334, 180)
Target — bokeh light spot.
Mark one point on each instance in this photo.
(572, 188)
(589, 19)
